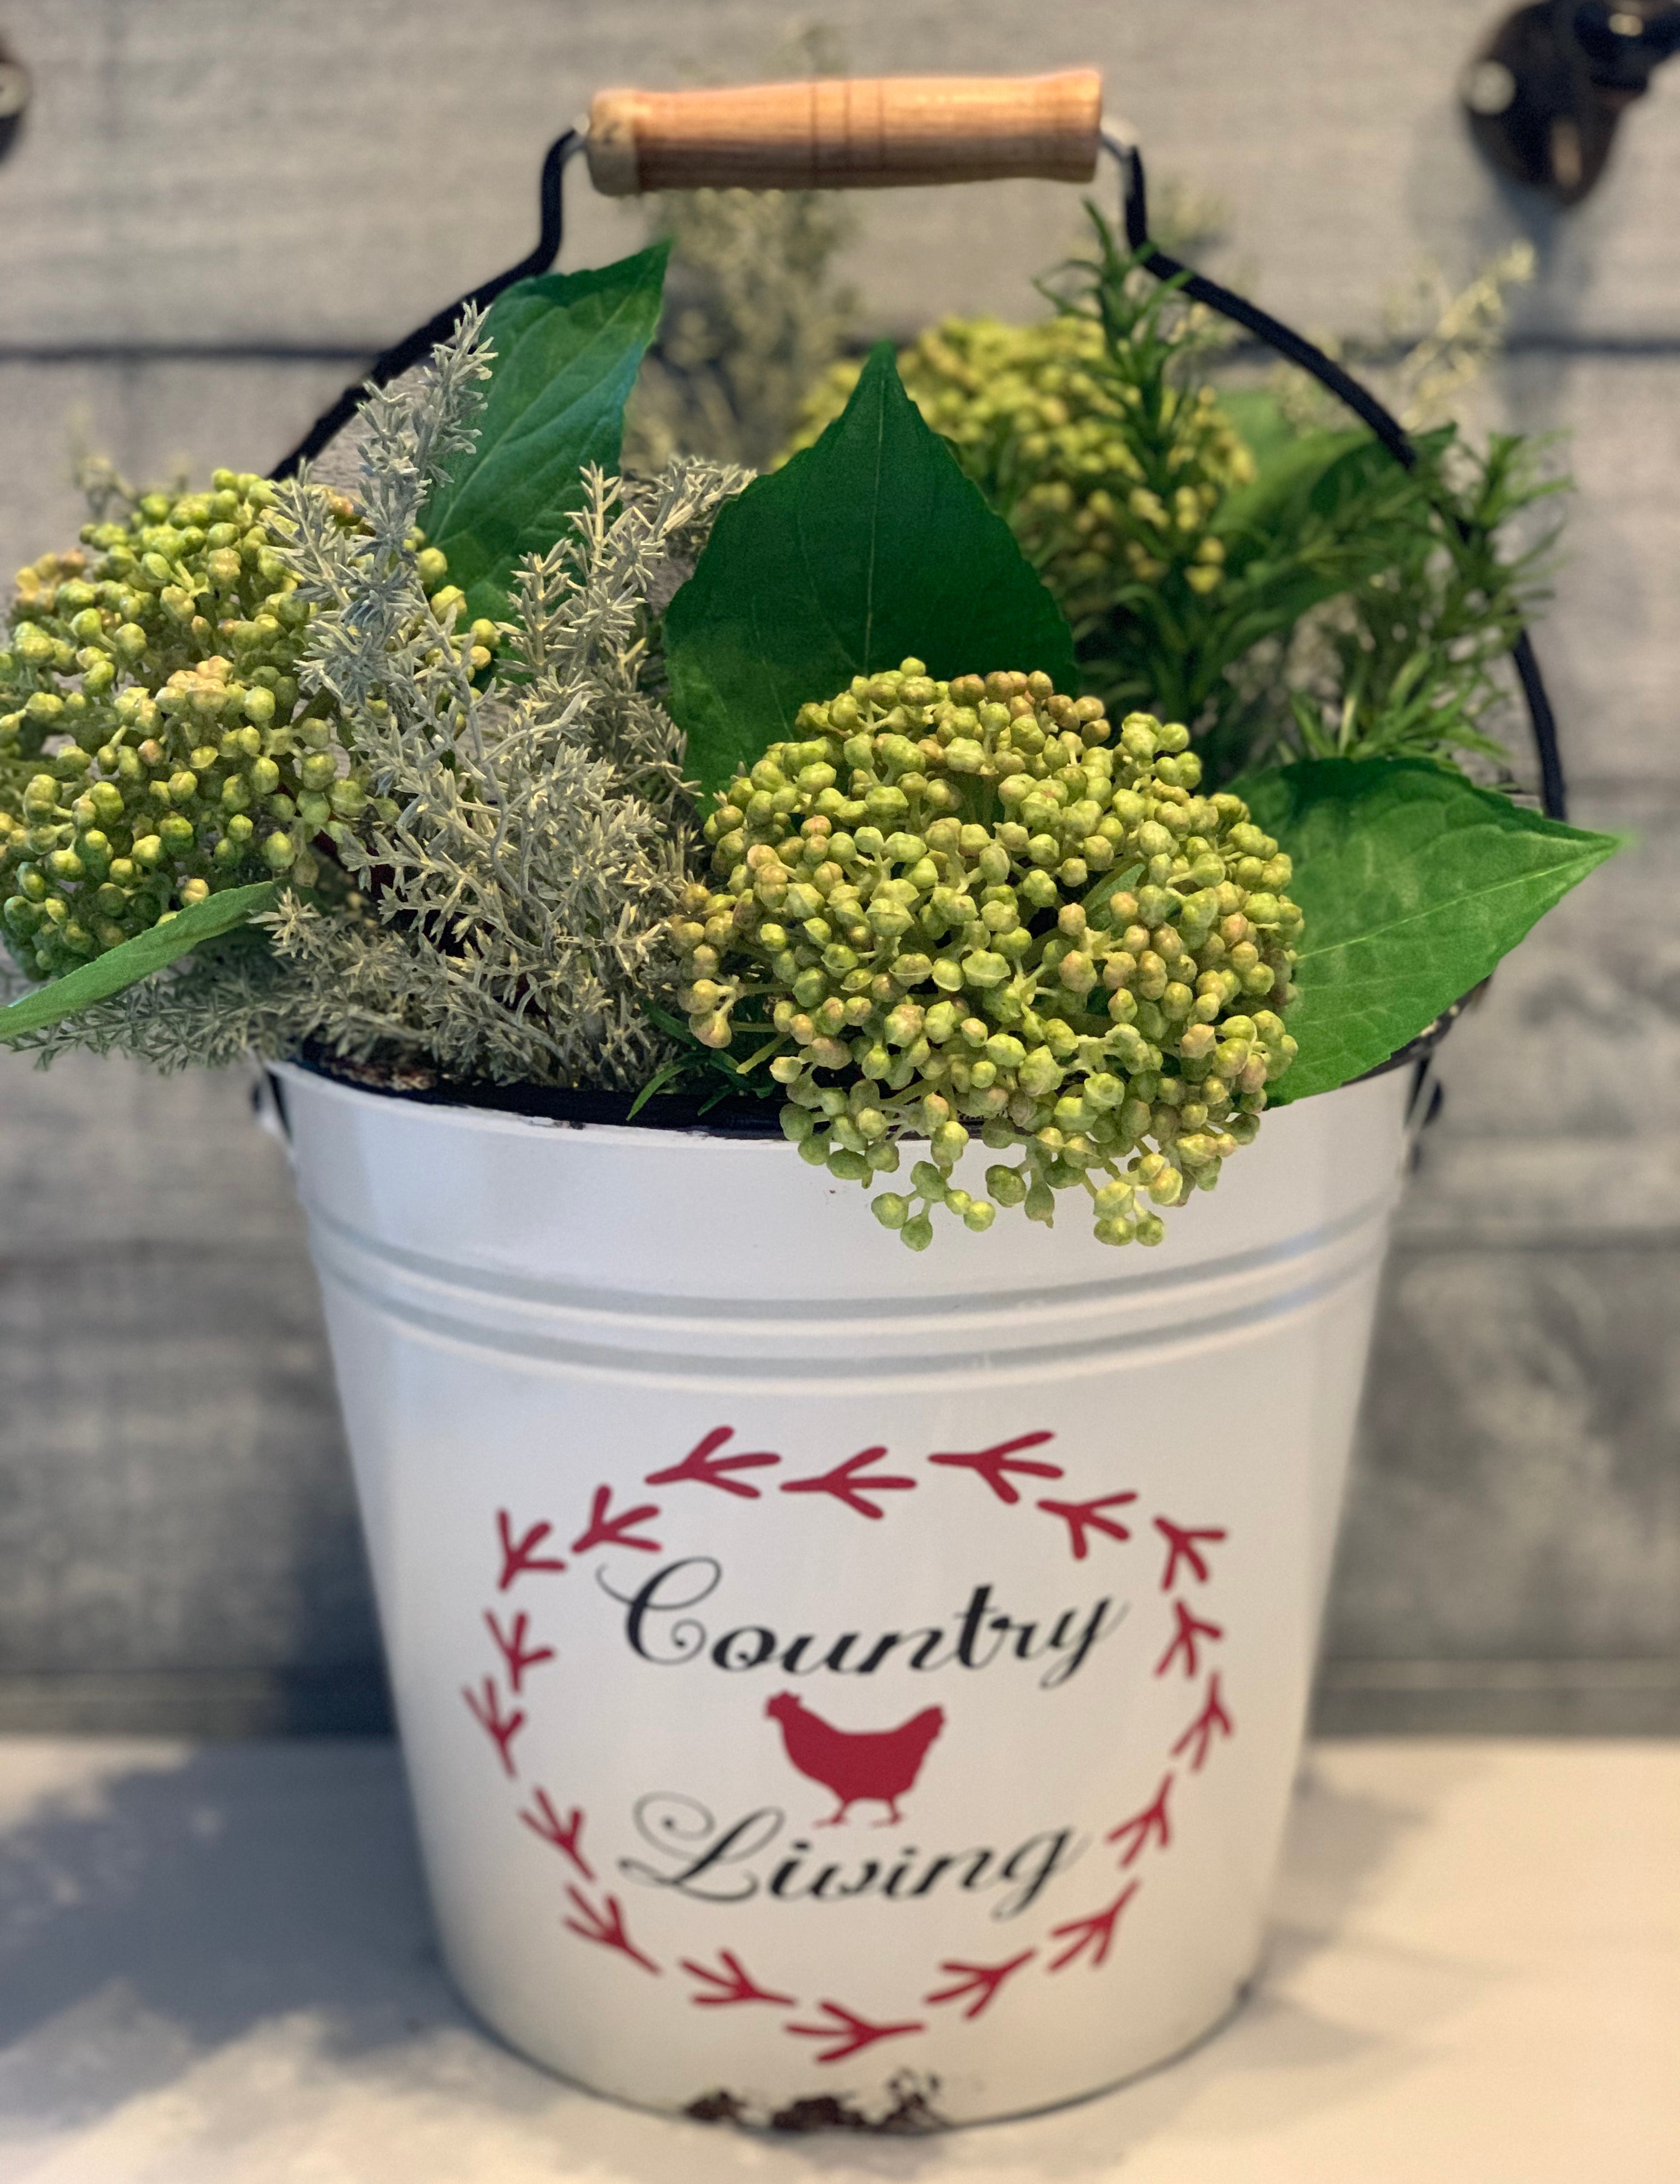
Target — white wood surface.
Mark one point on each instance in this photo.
(217, 1967)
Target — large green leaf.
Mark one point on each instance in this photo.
(1321, 475)
(869, 547)
(1287, 472)
(1414, 883)
(136, 959)
(568, 347)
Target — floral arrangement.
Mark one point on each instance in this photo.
(927, 785)
(1239, 559)
(1013, 951)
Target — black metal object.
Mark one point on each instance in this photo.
(1365, 405)
(14, 96)
(1546, 91)
(393, 362)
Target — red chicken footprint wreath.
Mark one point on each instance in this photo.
(878, 1766)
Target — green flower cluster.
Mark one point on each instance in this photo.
(1040, 419)
(152, 747)
(968, 905)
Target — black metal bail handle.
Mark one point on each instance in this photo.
(1365, 405)
(391, 363)
(1272, 332)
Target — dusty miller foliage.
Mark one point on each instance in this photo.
(506, 906)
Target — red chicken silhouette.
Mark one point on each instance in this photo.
(874, 1767)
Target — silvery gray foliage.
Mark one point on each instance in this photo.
(230, 1000)
(516, 865)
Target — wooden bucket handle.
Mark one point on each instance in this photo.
(843, 133)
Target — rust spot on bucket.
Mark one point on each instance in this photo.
(717, 2107)
(912, 2111)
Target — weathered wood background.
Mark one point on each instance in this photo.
(221, 206)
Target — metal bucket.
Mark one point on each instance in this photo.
(837, 1683)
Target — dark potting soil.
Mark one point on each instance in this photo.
(732, 1117)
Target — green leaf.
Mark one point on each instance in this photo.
(1414, 883)
(137, 959)
(568, 347)
(869, 547)
(1322, 474)
(1287, 473)
(1370, 468)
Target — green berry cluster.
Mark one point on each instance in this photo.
(153, 749)
(968, 906)
(1038, 415)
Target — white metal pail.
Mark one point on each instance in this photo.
(834, 1680)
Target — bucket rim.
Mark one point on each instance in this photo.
(670, 1114)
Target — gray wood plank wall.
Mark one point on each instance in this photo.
(221, 206)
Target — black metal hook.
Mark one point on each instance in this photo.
(1624, 45)
(14, 96)
(1544, 94)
